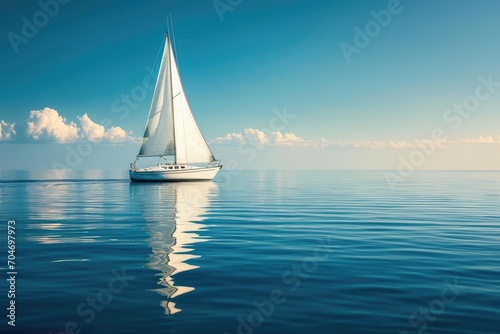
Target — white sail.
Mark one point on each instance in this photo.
(190, 145)
(158, 137)
(171, 127)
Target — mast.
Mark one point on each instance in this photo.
(171, 94)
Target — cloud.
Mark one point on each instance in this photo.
(94, 132)
(482, 140)
(346, 143)
(285, 139)
(7, 131)
(48, 124)
(236, 138)
(260, 138)
(257, 136)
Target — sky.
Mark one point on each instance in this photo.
(273, 84)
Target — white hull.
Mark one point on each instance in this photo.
(156, 174)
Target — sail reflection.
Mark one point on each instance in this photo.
(173, 212)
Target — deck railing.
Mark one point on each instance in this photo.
(215, 163)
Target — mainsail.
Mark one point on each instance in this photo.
(171, 128)
(158, 139)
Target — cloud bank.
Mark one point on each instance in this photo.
(257, 137)
(49, 125)
(7, 131)
(482, 140)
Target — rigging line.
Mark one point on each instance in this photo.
(173, 40)
(154, 66)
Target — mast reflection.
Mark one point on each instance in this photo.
(173, 212)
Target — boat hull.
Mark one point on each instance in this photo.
(191, 174)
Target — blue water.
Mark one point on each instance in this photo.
(254, 252)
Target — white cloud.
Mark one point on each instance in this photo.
(48, 124)
(258, 137)
(7, 131)
(377, 144)
(230, 138)
(345, 143)
(482, 140)
(94, 132)
(285, 139)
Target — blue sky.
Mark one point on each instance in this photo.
(264, 56)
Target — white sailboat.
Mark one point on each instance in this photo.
(172, 132)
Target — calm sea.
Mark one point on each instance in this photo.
(253, 252)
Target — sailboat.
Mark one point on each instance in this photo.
(172, 132)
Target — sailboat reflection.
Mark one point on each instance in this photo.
(173, 212)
